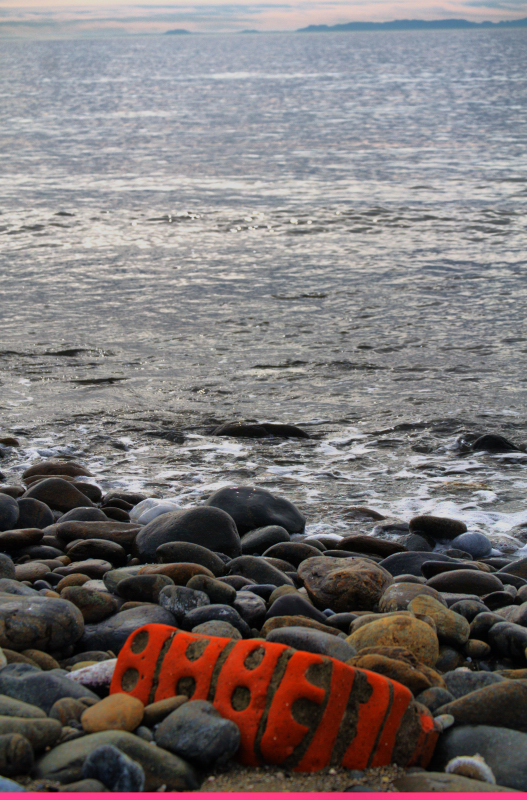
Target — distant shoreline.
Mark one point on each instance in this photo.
(414, 25)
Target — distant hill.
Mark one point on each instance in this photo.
(178, 31)
(413, 25)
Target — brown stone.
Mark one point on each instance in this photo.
(452, 628)
(467, 581)
(415, 678)
(356, 584)
(44, 660)
(437, 527)
(180, 573)
(31, 571)
(94, 606)
(398, 596)
(53, 467)
(123, 533)
(292, 621)
(399, 630)
(16, 539)
(156, 712)
(77, 579)
(118, 712)
(362, 543)
(93, 567)
(67, 710)
(58, 494)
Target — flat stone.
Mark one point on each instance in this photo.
(93, 605)
(354, 585)
(16, 755)
(93, 567)
(399, 631)
(462, 682)
(11, 707)
(259, 570)
(65, 762)
(410, 563)
(464, 580)
(57, 467)
(361, 543)
(296, 620)
(118, 712)
(252, 507)
(217, 628)
(87, 549)
(58, 494)
(209, 527)
(144, 588)
(31, 571)
(294, 603)
(260, 539)
(439, 528)
(35, 687)
(39, 622)
(197, 733)
(410, 672)
(179, 600)
(155, 713)
(217, 591)
(9, 512)
(123, 533)
(215, 611)
(501, 704)
(189, 552)
(506, 639)
(111, 634)
(114, 769)
(313, 641)
(179, 574)
(67, 710)
(451, 628)
(40, 733)
(398, 596)
(292, 552)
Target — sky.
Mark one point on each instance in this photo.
(45, 19)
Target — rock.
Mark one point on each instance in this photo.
(248, 430)
(215, 611)
(65, 762)
(208, 527)
(39, 622)
(416, 542)
(34, 514)
(35, 687)
(370, 545)
(506, 639)
(494, 443)
(84, 514)
(11, 707)
(43, 660)
(178, 600)
(439, 528)
(40, 733)
(296, 620)
(31, 571)
(114, 769)
(156, 712)
(410, 563)
(504, 750)
(251, 608)
(58, 494)
(469, 608)
(53, 467)
(432, 568)
(281, 699)
(399, 631)
(145, 588)
(88, 549)
(9, 512)
(408, 671)
(258, 570)
(119, 712)
(93, 567)
(476, 649)
(16, 755)
(111, 634)
(179, 574)
(292, 604)
(10, 786)
(260, 539)
(466, 580)
(174, 552)
(217, 591)
(398, 596)
(217, 628)
(518, 568)
(197, 733)
(355, 585)
(462, 682)
(93, 675)
(312, 641)
(252, 507)
(94, 606)
(444, 782)
(7, 568)
(434, 697)
(482, 623)
(451, 628)
(477, 544)
(292, 552)
(122, 533)
(67, 710)
(87, 786)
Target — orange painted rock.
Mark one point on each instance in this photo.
(301, 710)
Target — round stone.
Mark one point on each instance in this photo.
(42, 623)
(118, 712)
(477, 544)
(114, 769)
(251, 507)
(209, 527)
(356, 584)
(399, 631)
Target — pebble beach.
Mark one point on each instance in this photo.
(424, 603)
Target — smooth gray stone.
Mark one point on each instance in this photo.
(259, 570)
(117, 771)
(410, 563)
(218, 591)
(40, 733)
(218, 628)
(313, 641)
(83, 514)
(508, 639)
(176, 552)
(42, 689)
(9, 512)
(251, 608)
(196, 732)
(460, 683)
(504, 750)
(43, 623)
(252, 507)
(10, 786)
(477, 544)
(294, 604)
(11, 707)
(13, 587)
(114, 576)
(215, 611)
(112, 633)
(143, 588)
(209, 527)
(34, 513)
(179, 600)
(65, 762)
(260, 539)
(435, 697)
(89, 785)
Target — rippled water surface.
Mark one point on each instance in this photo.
(324, 229)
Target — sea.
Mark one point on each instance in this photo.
(324, 229)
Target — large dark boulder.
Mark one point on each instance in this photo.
(252, 507)
(209, 527)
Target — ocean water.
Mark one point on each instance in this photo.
(321, 229)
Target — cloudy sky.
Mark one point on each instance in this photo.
(74, 18)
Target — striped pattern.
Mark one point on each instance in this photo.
(300, 710)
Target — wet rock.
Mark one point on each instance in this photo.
(294, 603)
(179, 600)
(218, 628)
(123, 533)
(451, 628)
(179, 574)
(42, 623)
(259, 570)
(67, 710)
(9, 512)
(469, 608)
(217, 591)
(313, 641)
(93, 605)
(43, 660)
(11, 707)
(173, 552)
(252, 507)
(20, 539)
(93, 567)
(156, 712)
(16, 755)
(57, 467)
(462, 682)
(89, 549)
(482, 623)
(118, 712)
(251, 608)
(34, 514)
(399, 631)
(508, 639)
(32, 571)
(369, 545)
(518, 568)
(114, 769)
(65, 762)
(449, 658)
(499, 704)
(111, 634)
(87, 786)
(35, 687)
(354, 585)
(292, 552)
(58, 494)
(434, 697)
(438, 528)
(296, 620)
(477, 544)
(260, 539)
(215, 612)
(416, 542)
(408, 671)
(431, 568)
(40, 733)
(476, 649)
(197, 733)
(494, 443)
(410, 563)
(399, 595)
(145, 588)
(212, 528)
(466, 580)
